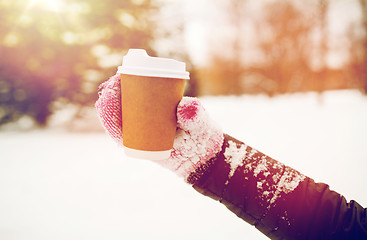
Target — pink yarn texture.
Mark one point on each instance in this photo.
(108, 107)
(197, 140)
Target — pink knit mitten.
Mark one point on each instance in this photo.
(197, 139)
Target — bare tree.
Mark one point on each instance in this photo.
(226, 62)
(284, 40)
(362, 68)
(323, 6)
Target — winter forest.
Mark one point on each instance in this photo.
(57, 52)
(287, 76)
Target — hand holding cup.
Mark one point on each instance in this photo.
(148, 115)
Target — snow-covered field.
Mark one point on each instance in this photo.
(61, 185)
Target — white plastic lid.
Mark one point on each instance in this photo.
(138, 62)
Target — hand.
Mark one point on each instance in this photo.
(197, 138)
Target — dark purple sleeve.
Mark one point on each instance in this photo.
(278, 200)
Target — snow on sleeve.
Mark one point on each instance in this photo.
(287, 183)
(272, 178)
(234, 156)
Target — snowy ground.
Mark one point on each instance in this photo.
(60, 185)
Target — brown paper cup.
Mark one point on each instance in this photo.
(149, 115)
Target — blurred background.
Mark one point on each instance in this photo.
(288, 77)
(55, 53)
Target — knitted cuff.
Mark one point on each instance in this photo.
(198, 139)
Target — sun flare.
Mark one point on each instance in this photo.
(50, 5)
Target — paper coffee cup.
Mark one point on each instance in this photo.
(151, 89)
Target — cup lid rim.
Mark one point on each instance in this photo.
(138, 62)
(151, 72)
